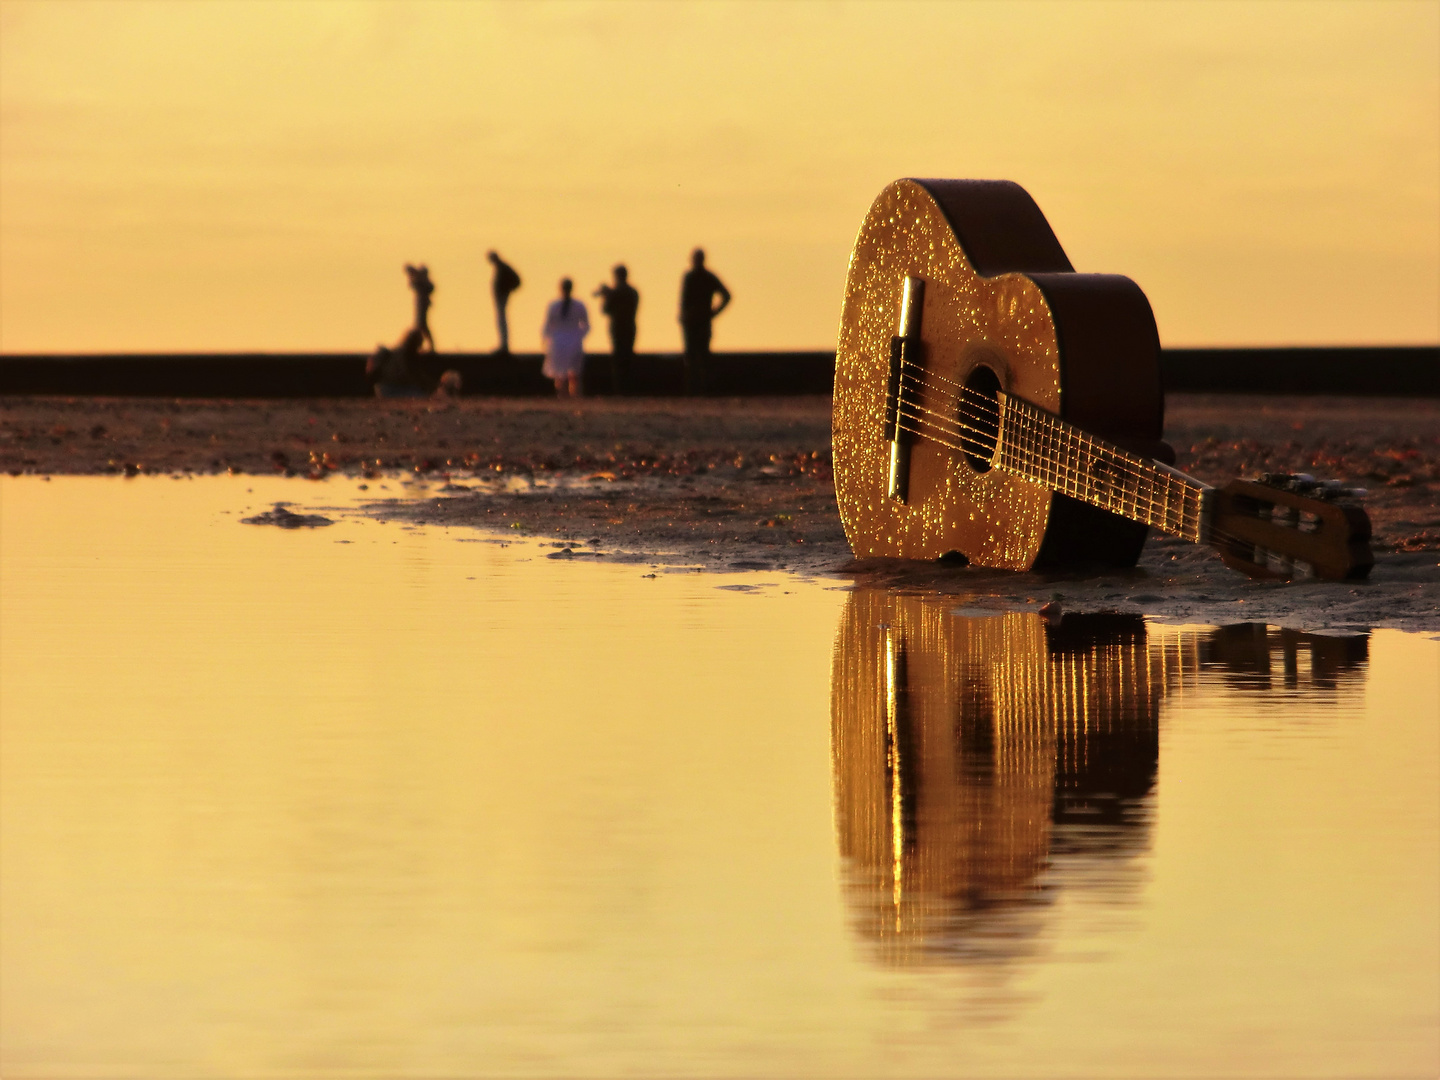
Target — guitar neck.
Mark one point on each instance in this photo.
(1038, 446)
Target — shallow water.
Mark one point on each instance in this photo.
(369, 800)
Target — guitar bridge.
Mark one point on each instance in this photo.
(900, 400)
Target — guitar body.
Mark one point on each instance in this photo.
(1001, 303)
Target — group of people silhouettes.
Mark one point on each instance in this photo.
(408, 369)
(567, 322)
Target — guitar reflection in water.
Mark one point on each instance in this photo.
(965, 749)
(983, 764)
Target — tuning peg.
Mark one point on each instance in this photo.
(1340, 491)
(1300, 483)
(1305, 484)
(1332, 490)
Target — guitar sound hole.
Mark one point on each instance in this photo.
(979, 413)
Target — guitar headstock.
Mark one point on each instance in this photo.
(1284, 526)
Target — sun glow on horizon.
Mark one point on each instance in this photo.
(231, 176)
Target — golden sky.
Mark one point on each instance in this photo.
(188, 176)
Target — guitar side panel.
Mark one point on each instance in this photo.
(1109, 355)
(999, 226)
(1110, 386)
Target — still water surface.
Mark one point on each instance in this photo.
(368, 800)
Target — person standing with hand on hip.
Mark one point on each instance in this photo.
(697, 310)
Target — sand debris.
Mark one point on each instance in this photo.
(287, 519)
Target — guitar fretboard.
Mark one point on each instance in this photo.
(1038, 446)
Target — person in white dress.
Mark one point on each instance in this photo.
(566, 324)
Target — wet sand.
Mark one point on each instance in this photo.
(746, 483)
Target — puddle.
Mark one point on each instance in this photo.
(366, 800)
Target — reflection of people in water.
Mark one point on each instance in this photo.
(566, 324)
(423, 288)
(967, 752)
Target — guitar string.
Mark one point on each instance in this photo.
(1064, 478)
(1159, 511)
(920, 383)
(1157, 503)
(1214, 534)
(1154, 511)
(990, 444)
(1187, 521)
(941, 378)
(1063, 472)
(991, 404)
(979, 397)
(979, 438)
(1125, 468)
(975, 397)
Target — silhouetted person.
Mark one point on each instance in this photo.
(398, 371)
(697, 309)
(505, 282)
(620, 302)
(566, 324)
(422, 287)
(406, 371)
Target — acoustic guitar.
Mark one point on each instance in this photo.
(995, 407)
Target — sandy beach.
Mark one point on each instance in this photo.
(727, 484)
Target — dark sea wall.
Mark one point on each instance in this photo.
(1371, 370)
(1403, 371)
(291, 375)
